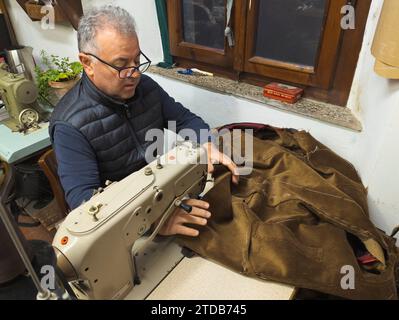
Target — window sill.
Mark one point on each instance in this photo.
(325, 112)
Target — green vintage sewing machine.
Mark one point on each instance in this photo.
(19, 96)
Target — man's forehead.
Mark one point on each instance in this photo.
(125, 58)
(110, 42)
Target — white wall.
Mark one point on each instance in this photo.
(62, 40)
(374, 100)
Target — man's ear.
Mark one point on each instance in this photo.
(87, 64)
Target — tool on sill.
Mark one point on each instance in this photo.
(203, 73)
(186, 72)
(194, 71)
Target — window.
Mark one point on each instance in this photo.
(197, 31)
(298, 42)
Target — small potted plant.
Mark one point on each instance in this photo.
(58, 76)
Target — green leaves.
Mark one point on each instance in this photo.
(55, 69)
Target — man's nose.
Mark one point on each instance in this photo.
(135, 74)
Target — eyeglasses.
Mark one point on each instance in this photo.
(126, 72)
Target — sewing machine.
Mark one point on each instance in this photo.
(97, 244)
(20, 99)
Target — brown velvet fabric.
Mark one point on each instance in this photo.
(290, 219)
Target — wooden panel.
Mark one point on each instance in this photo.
(240, 19)
(73, 10)
(349, 56)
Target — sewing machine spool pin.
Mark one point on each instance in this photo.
(94, 210)
(108, 183)
(148, 171)
(159, 164)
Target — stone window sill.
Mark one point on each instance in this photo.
(325, 112)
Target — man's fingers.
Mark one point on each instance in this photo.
(211, 167)
(215, 157)
(197, 203)
(236, 179)
(196, 212)
(196, 217)
(194, 220)
(201, 213)
(186, 231)
(232, 167)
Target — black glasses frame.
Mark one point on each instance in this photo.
(120, 69)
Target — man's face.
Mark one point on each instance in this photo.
(120, 51)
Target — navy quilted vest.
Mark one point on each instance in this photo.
(115, 130)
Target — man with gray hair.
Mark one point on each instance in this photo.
(99, 127)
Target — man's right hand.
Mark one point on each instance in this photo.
(176, 222)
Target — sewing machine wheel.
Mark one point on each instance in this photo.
(28, 116)
(26, 92)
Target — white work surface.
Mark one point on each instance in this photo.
(200, 279)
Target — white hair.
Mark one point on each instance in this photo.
(98, 18)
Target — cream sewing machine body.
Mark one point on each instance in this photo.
(97, 242)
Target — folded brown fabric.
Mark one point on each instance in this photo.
(299, 218)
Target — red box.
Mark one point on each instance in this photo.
(282, 92)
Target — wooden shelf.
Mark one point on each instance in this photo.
(34, 11)
(66, 10)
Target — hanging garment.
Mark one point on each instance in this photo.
(299, 218)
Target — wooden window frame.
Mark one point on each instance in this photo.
(180, 48)
(331, 79)
(320, 75)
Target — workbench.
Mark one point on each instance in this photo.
(166, 274)
(15, 146)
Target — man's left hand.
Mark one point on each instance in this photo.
(216, 157)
